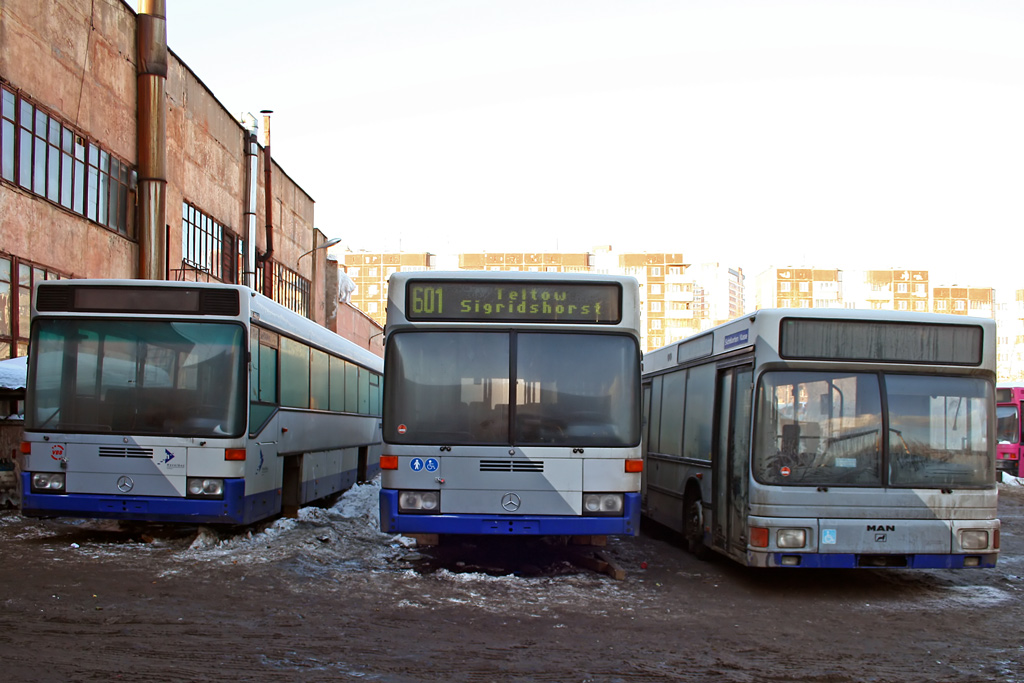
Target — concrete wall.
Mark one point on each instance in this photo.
(347, 320)
(75, 58)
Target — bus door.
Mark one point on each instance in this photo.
(730, 460)
(644, 438)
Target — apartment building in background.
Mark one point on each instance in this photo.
(369, 272)
(551, 262)
(799, 288)
(1009, 316)
(680, 299)
(896, 289)
(976, 301)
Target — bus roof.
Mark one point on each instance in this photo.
(270, 313)
(762, 327)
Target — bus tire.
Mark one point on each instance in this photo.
(693, 528)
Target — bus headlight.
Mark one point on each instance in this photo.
(423, 502)
(791, 538)
(606, 504)
(203, 487)
(973, 539)
(48, 482)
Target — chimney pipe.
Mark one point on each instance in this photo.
(268, 279)
(252, 166)
(151, 130)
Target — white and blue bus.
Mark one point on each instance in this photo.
(511, 404)
(827, 438)
(183, 402)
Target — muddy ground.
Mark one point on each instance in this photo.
(327, 597)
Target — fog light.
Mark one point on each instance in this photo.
(48, 482)
(200, 487)
(790, 561)
(972, 561)
(424, 502)
(973, 539)
(791, 538)
(607, 504)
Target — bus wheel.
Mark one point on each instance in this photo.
(693, 528)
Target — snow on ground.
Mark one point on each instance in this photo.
(1010, 480)
(345, 535)
(344, 543)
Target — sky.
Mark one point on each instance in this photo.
(755, 133)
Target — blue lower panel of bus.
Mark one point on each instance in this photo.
(235, 508)
(392, 521)
(856, 561)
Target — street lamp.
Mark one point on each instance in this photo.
(329, 243)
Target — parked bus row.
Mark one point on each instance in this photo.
(519, 404)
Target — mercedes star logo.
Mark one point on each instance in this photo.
(125, 484)
(510, 502)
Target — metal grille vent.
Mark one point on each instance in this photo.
(125, 452)
(219, 302)
(511, 465)
(53, 298)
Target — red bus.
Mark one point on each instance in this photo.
(1009, 449)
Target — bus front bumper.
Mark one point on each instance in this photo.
(392, 521)
(234, 508)
(870, 561)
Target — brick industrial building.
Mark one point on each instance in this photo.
(117, 161)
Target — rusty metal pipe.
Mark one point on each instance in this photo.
(151, 129)
(269, 194)
(251, 199)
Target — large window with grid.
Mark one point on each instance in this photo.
(44, 155)
(207, 246)
(17, 278)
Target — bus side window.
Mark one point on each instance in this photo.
(294, 380)
(337, 384)
(319, 380)
(268, 375)
(351, 388)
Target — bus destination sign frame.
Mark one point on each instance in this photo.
(528, 301)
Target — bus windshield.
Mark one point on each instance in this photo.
(829, 429)
(138, 377)
(1007, 420)
(496, 388)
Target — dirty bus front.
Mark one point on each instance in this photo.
(825, 438)
(511, 404)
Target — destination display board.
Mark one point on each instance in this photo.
(886, 342)
(504, 301)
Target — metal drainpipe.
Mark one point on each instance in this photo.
(151, 59)
(268, 279)
(252, 178)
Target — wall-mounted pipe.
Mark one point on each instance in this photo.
(268, 279)
(252, 149)
(151, 129)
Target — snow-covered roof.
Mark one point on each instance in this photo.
(13, 373)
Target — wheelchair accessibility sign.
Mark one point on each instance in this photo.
(418, 464)
(828, 536)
